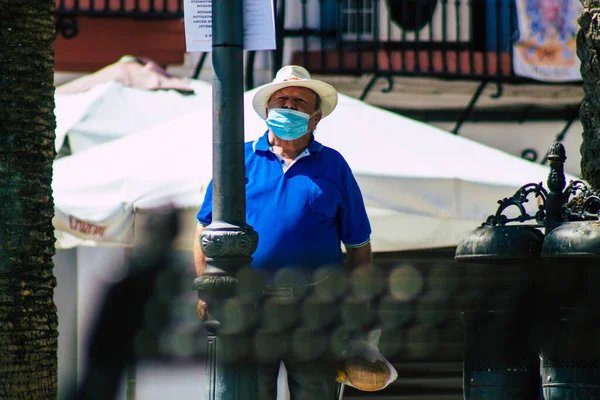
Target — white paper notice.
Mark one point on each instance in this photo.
(259, 25)
(198, 25)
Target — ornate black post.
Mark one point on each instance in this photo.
(556, 184)
(562, 323)
(228, 243)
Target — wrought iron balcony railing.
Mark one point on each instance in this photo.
(442, 38)
(463, 39)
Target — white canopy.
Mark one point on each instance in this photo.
(111, 110)
(423, 187)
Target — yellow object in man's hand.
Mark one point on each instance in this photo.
(364, 367)
(366, 375)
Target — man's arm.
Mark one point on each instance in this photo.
(359, 256)
(200, 264)
(199, 258)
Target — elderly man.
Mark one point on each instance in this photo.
(303, 201)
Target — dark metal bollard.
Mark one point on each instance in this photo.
(500, 361)
(570, 349)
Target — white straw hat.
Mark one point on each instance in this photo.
(294, 75)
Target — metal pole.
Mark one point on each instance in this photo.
(228, 243)
(229, 196)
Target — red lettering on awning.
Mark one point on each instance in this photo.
(87, 228)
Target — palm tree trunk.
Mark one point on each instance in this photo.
(589, 54)
(28, 318)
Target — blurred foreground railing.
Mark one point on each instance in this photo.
(469, 39)
(415, 299)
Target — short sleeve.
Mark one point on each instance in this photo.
(355, 229)
(205, 214)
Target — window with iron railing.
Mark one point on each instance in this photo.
(357, 19)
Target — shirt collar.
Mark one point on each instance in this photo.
(262, 144)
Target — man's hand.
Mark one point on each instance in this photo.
(202, 310)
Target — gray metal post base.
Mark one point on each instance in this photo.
(230, 373)
(227, 381)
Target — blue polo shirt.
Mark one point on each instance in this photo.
(302, 214)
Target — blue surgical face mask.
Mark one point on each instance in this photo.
(287, 124)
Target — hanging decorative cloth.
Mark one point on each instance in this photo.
(546, 50)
